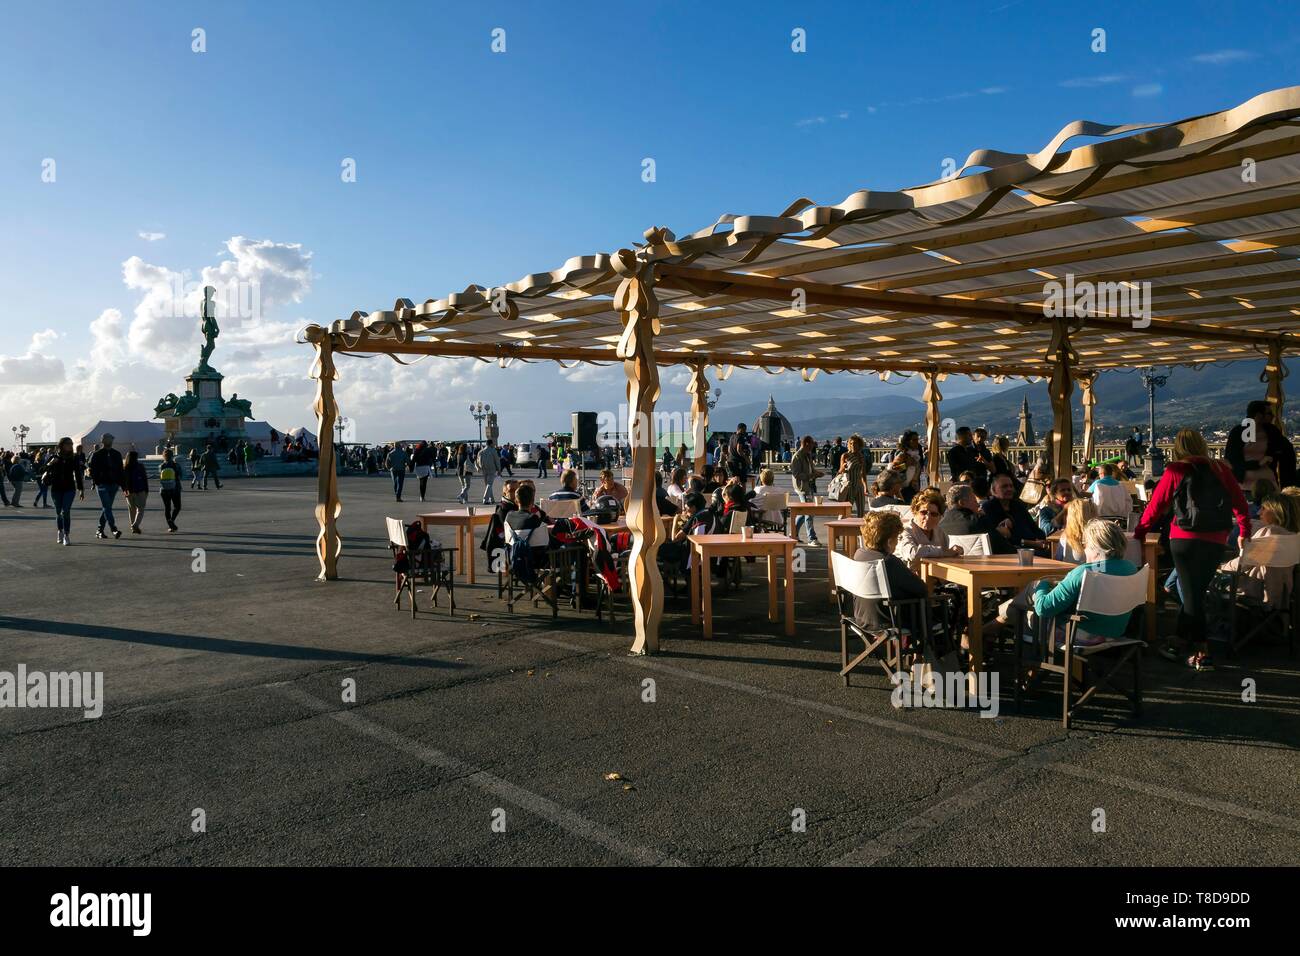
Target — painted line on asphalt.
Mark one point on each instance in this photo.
(1180, 796)
(1137, 786)
(989, 788)
(533, 803)
(16, 564)
(975, 746)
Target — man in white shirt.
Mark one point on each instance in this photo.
(489, 466)
(1111, 498)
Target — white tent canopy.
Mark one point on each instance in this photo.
(145, 436)
(142, 436)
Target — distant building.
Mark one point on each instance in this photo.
(785, 431)
(1025, 434)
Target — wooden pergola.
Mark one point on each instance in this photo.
(1200, 219)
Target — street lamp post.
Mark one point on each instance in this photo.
(339, 427)
(20, 436)
(1155, 457)
(479, 412)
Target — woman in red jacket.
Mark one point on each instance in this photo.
(1205, 498)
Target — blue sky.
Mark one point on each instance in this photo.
(480, 167)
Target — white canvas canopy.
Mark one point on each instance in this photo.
(142, 436)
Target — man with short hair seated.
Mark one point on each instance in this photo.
(568, 487)
(609, 488)
(526, 520)
(963, 514)
(889, 485)
(1108, 494)
(766, 499)
(1006, 519)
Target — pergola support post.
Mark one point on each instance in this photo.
(699, 391)
(932, 397)
(1061, 388)
(328, 506)
(1088, 384)
(638, 314)
(1274, 371)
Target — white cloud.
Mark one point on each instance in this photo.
(1223, 57)
(1087, 82)
(152, 236)
(1148, 89)
(34, 367)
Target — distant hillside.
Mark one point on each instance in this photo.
(1211, 398)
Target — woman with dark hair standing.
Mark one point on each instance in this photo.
(1205, 498)
(63, 478)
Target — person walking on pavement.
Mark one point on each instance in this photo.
(42, 498)
(489, 465)
(137, 489)
(464, 471)
(63, 478)
(196, 468)
(211, 467)
(108, 475)
(804, 474)
(396, 465)
(19, 473)
(169, 480)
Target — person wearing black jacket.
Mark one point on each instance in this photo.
(63, 478)
(107, 474)
(1006, 519)
(963, 513)
(1270, 451)
(964, 456)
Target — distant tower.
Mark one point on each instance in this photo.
(1025, 435)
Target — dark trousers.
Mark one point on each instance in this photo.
(171, 505)
(399, 481)
(1196, 562)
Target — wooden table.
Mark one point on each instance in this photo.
(977, 572)
(706, 546)
(838, 531)
(835, 509)
(1150, 558)
(464, 523)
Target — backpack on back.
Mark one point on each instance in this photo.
(1201, 501)
(520, 555)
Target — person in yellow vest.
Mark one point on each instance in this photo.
(169, 478)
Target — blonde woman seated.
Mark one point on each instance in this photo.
(922, 537)
(766, 498)
(1104, 546)
(881, 531)
(1071, 546)
(1271, 585)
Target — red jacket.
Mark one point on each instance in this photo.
(1162, 500)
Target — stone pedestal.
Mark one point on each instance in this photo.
(209, 420)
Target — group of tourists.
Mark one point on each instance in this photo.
(62, 474)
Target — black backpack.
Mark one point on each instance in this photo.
(1201, 501)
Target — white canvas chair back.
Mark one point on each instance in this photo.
(1112, 593)
(777, 501)
(1128, 485)
(977, 544)
(396, 532)
(864, 579)
(561, 507)
(1142, 493)
(1063, 552)
(1271, 551)
(738, 519)
(540, 538)
(903, 511)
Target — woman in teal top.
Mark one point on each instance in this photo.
(1104, 548)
